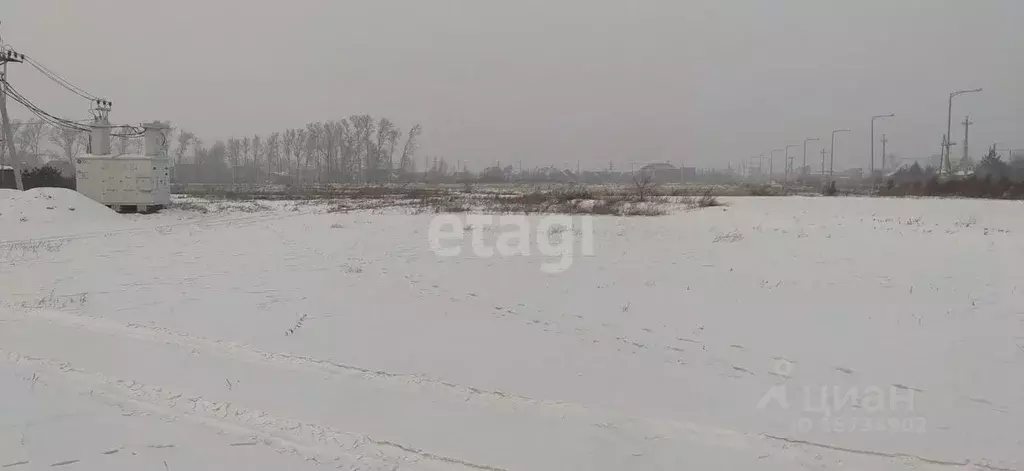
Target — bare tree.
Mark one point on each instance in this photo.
(246, 147)
(28, 137)
(257, 154)
(3, 146)
(210, 163)
(315, 147)
(273, 152)
(234, 151)
(198, 151)
(298, 145)
(309, 149)
(350, 145)
(385, 129)
(70, 141)
(406, 163)
(129, 145)
(185, 139)
(336, 136)
(363, 127)
(393, 138)
(287, 143)
(644, 184)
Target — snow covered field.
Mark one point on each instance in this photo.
(286, 337)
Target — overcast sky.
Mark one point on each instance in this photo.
(705, 82)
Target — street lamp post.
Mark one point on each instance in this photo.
(786, 163)
(872, 166)
(809, 139)
(832, 158)
(945, 164)
(771, 164)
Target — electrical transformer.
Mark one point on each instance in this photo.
(127, 182)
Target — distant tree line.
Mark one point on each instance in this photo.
(37, 142)
(359, 148)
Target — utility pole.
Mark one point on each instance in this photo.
(832, 159)
(949, 131)
(884, 142)
(6, 57)
(967, 130)
(824, 153)
(871, 175)
(944, 160)
(771, 164)
(789, 161)
(803, 170)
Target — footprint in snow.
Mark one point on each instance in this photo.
(981, 400)
(740, 368)
(908, 388)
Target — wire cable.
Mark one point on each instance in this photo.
(127, 131)
(60, 80)
(42, 114)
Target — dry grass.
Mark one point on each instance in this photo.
(573, 199)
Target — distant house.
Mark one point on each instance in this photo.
(662, 172)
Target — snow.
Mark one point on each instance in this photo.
(292, 338)
(47, 212)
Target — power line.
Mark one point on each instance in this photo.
(42, 114)
(60, 80)
(128, 131)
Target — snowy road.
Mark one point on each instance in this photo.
(295, 339)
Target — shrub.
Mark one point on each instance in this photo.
(830, 189)
(708, 200)
(760, 190)
(46, 176)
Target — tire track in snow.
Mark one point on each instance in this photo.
(906, 456)
(254, 355)
(220, 411)
(310, 441)
(211, 222)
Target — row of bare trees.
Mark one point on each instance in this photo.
(37, 142)
(359, 148)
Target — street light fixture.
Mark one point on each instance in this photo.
(945, 164)
(771, 164)
(809, 139)
(832, 158)
(873, 118)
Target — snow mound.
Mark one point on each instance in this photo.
(48, 212)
